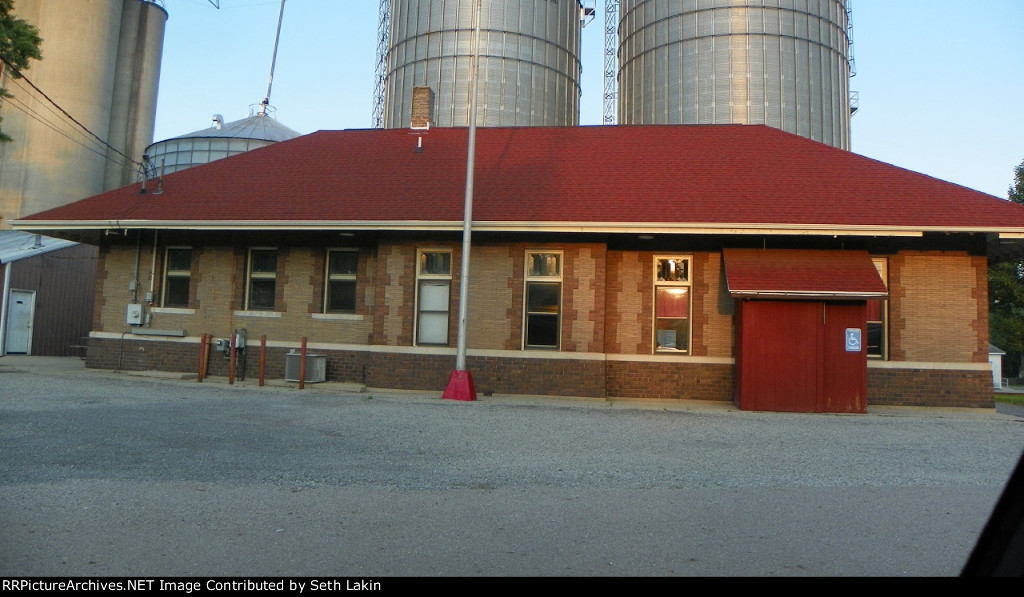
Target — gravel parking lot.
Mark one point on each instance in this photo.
(115, 474)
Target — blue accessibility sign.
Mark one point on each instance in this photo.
(852, 339)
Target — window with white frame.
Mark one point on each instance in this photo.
(177, 277)
(261, 289)
(543, 300)
(433, 289)
(877, 316)
(340, 287)
(672, 303)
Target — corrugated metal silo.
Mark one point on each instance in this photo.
(101, 64)
(784, 63)
(219, 141)
(529, 69)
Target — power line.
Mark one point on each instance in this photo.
(57, 125)
(17, 103)
(18, 74)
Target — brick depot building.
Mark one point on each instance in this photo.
(731, 263)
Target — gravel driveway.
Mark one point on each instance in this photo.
(111, 474)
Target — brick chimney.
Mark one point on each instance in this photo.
(422, 107)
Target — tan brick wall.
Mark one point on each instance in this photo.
(713, 309)
(488, 321)
(396, 284)
(118, 264)
(217, 301)
(606, 308)
(933, 306)
(630, 293)
(583, 298)
(628, 278)
(216, 292)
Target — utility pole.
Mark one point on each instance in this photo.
(460, 383)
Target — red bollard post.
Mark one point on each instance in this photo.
(302, 364)
(231, 365)
(206, 355)
(202, 359)
(263, 358)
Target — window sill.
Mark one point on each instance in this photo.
(264, 314)
(173, 311)
(338, 316)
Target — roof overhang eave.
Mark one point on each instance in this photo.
(729, 228)
(808, 294)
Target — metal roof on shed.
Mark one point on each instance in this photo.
(16, 245)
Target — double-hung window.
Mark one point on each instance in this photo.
(177, 277)
(543, 304)
(261, 289)
(433, 289)
(340, 288)
(672, 303)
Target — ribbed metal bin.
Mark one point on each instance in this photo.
(784, 63)
(316, 367)
(529, 70)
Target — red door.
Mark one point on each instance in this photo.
(845, 366)
(794, 356)
(779, 362)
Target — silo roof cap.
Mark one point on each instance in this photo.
(258, 126)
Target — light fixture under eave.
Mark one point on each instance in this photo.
(646, 237)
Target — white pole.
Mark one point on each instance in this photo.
(273, 62)
(5, 288)
(467, 223)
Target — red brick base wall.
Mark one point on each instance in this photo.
(686, 381)
(547, 377)
(538, 376)
(491, 375)
(405, 371)
(930, 387)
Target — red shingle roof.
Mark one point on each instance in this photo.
(712, 178)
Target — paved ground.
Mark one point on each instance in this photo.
(116, 474)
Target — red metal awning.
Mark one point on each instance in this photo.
(802, 274)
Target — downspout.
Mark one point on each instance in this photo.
(135, 276)
(152, 279)
(135, 293)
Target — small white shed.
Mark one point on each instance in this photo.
(995, 358)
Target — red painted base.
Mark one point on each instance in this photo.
(460, 387)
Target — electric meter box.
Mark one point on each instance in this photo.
(134, 315)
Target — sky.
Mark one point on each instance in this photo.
(940, 82)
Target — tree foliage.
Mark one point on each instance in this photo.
(1016, 192)
(1006, 295)
(19, 43)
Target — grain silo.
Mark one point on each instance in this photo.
(83, 115)
(529, 69)
(784, 63)
(221, 140)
